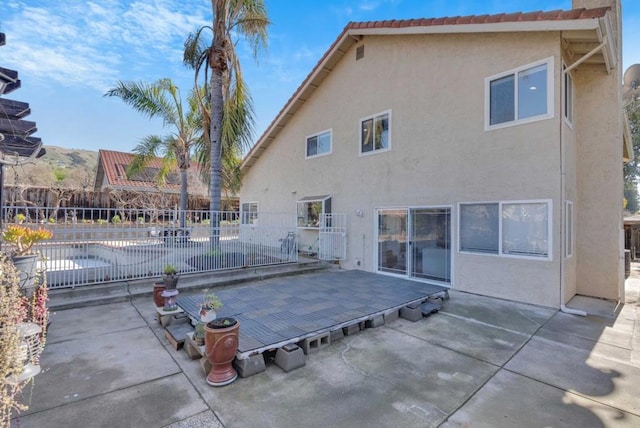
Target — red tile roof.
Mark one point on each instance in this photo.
(115, 164)
(554, 15)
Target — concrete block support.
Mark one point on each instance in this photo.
(375, 322)
(315, 343)
(411, 313)
(351, 329)
(336, 335)
(391, 316)
(290, 357)
(250, 366)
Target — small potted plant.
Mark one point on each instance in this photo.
(210, 303)
(170, 277)
(22, 239)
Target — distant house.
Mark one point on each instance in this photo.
(111, 175)
(483, 153)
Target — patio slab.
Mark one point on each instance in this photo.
(501, 403)
(92, 321)
(174, 397)
(588, 374)
(77, 369)
(380, 377)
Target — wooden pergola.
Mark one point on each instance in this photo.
(16, 143)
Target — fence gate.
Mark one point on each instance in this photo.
(332, 244)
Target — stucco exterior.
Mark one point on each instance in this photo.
(432, 86)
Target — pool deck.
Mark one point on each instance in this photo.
(289, 310)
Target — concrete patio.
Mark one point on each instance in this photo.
(479, 362)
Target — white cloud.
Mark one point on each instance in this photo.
(94, 44)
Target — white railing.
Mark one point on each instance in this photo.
(100, 245)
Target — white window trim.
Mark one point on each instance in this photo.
(242, 212)
(487, 95)
(568, 76)
(317, 134)
(373, 116)
(500, 205)
(569, 241)
(310, 200)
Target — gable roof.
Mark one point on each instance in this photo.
(112, 167)
(590, 29)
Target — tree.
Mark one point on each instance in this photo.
(632, 168)
(228, 114)
(162, 99)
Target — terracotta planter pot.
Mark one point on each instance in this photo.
(158, 288)
(221, 345)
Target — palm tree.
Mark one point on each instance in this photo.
(228, 115)
(162, 99)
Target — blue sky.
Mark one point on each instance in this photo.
(69, 53)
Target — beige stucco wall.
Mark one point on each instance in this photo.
(440, 153)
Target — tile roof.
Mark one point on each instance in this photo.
(554, 15)
(115, 164)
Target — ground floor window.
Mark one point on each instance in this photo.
(249, 212)
(310, 210)
(520, 228)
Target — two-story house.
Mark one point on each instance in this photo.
(481, 152)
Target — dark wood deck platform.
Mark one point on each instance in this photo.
(277, 312)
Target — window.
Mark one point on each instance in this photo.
(519, 96)
(568, 230)
(310, 210)
(374, 133)
(479, 228)
(249, 213)
(520, 229)
(568, 97)
(319, 144)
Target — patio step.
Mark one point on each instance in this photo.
(121, 291)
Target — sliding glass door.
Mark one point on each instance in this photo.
(415, 242)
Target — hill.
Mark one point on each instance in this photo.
(62, 166)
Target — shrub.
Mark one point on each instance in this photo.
(116, 219)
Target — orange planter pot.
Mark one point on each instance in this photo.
(221, 345)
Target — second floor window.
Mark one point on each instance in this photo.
(374, 133)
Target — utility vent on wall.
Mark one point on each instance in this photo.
(359, 52)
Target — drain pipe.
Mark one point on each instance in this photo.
(563, 202)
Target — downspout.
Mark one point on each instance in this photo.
(563, 213)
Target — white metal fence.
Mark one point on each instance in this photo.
(100, 245)
(332, 243)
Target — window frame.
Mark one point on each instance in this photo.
(501, 253)
(360, 141)
(325, 200)
(249, 217)
(549, 62)
(317, 135)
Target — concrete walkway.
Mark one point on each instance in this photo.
(480, 362)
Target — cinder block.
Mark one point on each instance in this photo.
(192, 349)
(290, 357)
(337, 335)
(351, 329)
(250, 366)
(391, 316)
(411, 313)
(315, 343)
(206, 365)
(375, 322)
